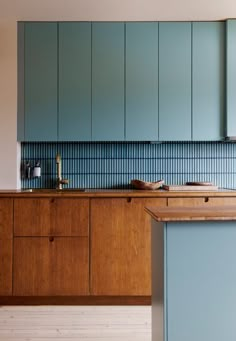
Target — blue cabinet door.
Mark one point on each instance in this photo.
(40, 77)
(231, 78)
(74, 117)
(174, 81)
(208, 80)
(107, 81)
(141, 81)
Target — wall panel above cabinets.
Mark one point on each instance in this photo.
(107, 81)
(74, 112)
(142, 81)
(174, 81)
(40, 81)
(208, 80)
(231, 78)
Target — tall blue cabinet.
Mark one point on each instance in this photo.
(231, 78)
(38, 64)
(208, 81)
(141, 82)
(107, 81)
(174, 81)
(74, 82)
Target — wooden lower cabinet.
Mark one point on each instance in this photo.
(51, 266)
(201, 201)
(51, 217)
(6, 232)
(121, 246)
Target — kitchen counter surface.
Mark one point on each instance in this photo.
(89, 193)
(201, 213)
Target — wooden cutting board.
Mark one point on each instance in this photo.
(190, 188)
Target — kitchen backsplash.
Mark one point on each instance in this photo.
(114, 164)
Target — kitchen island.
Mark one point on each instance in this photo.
(193, 273)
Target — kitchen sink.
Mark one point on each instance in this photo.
(54, 190)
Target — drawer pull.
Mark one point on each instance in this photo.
(129, 199)
(51, 239)
(206, 199)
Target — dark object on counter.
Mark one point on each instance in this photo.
(199, 183)
(140, 184)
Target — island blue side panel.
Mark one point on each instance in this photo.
(142, 81)
(174, 81)
(201, 281)
(231, 77)
(74, 82)
(107, 81)
(208, 70)
(41, 81)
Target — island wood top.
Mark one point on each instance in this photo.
(200, 213)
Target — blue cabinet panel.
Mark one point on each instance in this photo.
(107, 81)
(208, 80)
(174, 81)
(20, 81)
(142, 81)
(74, 82)
(40, 81)
(231, 77)
(200, 281)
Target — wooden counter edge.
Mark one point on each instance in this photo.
(199, 213)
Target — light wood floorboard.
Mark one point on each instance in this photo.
(82, 323)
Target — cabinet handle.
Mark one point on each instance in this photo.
(206, 199)
(129, 199)
(51, 239)
(52, 200)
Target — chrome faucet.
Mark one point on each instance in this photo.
(60, 181)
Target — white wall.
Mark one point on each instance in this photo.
(91, 10)
(8, 102)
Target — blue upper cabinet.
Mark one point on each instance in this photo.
(40, 81)
(208, 80)
(142, 81)
(231, 77)
(107, 81)
(74, 116)
(174, 81)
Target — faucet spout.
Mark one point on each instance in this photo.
(59, 180)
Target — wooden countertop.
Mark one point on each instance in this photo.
(200, 213)
(116, 193)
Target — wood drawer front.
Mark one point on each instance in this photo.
(6, 218)
(51, 217)
(5, 267)
(121, 246)
(201, 201)
(46, 267)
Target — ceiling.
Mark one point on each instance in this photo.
(117, 10)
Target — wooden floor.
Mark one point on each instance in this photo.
(82, 323)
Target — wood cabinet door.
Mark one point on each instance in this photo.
(74, 117)
(40, 81)
(6, 231)
(141, 81)
(51, 217)
(47, 266)
(201, 201)
(108, 81)
(208, 80)
(121, 246)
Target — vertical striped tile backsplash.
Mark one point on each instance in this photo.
(113, 165)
